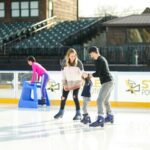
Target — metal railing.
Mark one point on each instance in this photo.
(128, 54)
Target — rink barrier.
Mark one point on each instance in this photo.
(131, 89)
(93, 103)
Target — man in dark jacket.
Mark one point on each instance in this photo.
(106, 80)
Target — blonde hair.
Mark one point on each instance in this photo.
(68, 63)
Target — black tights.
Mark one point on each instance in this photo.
(75, 98)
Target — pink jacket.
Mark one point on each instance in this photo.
(37, 70)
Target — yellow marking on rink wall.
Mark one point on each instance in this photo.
(92, 103)
(8, 101)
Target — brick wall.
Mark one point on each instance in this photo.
(65, 9)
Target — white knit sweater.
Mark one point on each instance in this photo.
(71, 77)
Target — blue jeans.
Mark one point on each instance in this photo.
(45, 78)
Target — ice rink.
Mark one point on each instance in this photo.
(35, 129)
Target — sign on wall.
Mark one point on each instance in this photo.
(133, 87)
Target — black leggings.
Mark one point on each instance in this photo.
(75, 98)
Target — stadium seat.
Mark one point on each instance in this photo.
(49, 37)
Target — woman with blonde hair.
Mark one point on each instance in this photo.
(72, 69)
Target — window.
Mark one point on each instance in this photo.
(34, 8)
(2, 10)
(15, 9)
(26, 8)
(138, 35)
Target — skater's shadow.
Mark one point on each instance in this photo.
(42, 129)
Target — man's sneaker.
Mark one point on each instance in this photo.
(86, 119)
(109, 118)
(59, 114)
(77, 116)
(99, 122)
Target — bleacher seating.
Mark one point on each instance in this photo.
(8, 29)
(49, 39)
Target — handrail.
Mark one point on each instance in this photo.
(26, 29)
(52, 18)
(48, 19)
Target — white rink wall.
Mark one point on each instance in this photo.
(129, 86)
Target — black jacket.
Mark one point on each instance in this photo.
(102, 70)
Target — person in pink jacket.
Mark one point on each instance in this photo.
(39, 72)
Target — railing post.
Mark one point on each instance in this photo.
(136, 57)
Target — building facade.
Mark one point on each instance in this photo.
(130, 30)
(37, 10)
